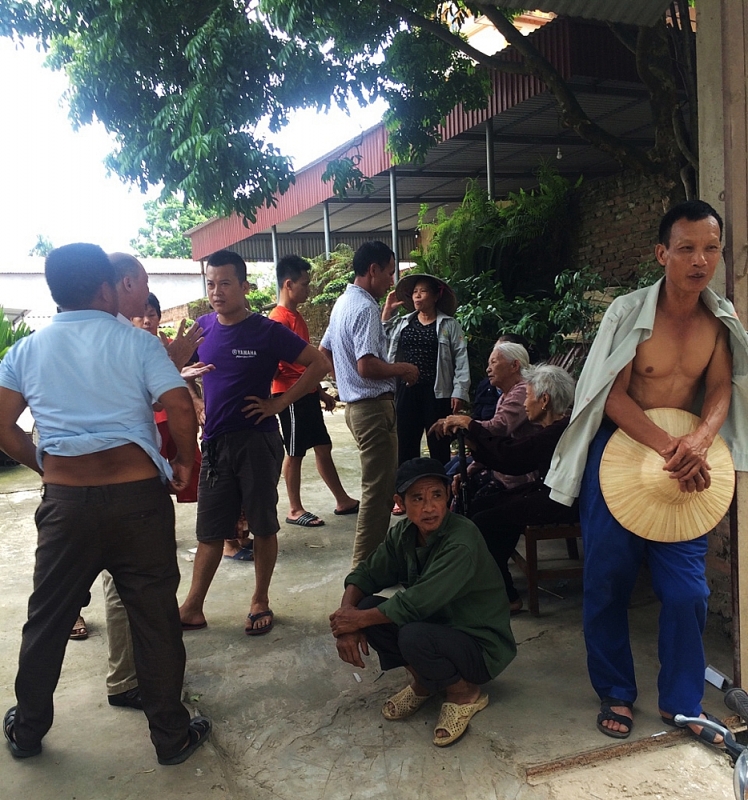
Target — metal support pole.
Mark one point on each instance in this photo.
(274, 240)
(490, 182)
(393, 215)
(326, 222)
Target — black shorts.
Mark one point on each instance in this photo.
(240, 470)
(303, 426)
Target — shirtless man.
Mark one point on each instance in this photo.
(657, 347)
(90, 382)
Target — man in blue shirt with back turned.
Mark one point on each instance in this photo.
(90, 383)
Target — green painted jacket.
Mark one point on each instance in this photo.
(452, 580)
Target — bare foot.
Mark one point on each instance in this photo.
(697, 729)
(308, 519)
(612, 725)
(260, 616)
(80, 630)
(463, 697)
(231, 547)
(190, 617)
(392, 710)
(349, 506)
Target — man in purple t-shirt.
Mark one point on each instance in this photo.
(242, 447)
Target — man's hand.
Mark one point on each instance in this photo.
(197, 370)
(350, 647)
(184, 345)
(327, 400)
(456, 405)
(346, 619)
(702, 480)
(182, 474)
(199, 405)
(262, 409)
(685, 460)
(408, 373)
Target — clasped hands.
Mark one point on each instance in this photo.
(685, 460)
(350, 641)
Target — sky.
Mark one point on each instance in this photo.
(53, 179)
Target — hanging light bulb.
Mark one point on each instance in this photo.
(559, 155)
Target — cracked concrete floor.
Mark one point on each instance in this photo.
(291, 721)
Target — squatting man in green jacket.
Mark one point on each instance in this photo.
(449, 626)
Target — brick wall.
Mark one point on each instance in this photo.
(620, 216)
(173, 316)
(718, 574)
(619, 220)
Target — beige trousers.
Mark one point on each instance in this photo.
(372, 423)
(121, 676)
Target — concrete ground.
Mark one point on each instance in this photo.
(293, 722)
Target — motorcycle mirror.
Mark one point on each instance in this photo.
(740, 777)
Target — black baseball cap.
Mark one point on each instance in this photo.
(415, 469)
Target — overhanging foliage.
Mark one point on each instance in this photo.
(186, 86)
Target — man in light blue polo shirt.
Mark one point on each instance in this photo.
(356, 345)
(90, 383)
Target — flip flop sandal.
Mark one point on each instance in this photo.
(405, 703)
(707, 735)
(80, 631)
(250, 630)
(306, 520)
(454, 719)
(351, 510)
(608, 715)
(245, 554)
(197, 733)
(9, 722)
(194, 626)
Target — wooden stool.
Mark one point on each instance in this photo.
(529, 564)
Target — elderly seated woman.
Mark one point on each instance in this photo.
(449, 626)
(501, 518)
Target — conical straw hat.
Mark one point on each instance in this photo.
(446, 302)
(647, 501)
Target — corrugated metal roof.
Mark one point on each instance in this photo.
(631, 12)
(526, 123)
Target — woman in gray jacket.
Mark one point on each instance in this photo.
(429, 337)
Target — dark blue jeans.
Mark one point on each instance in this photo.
(612, 557)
